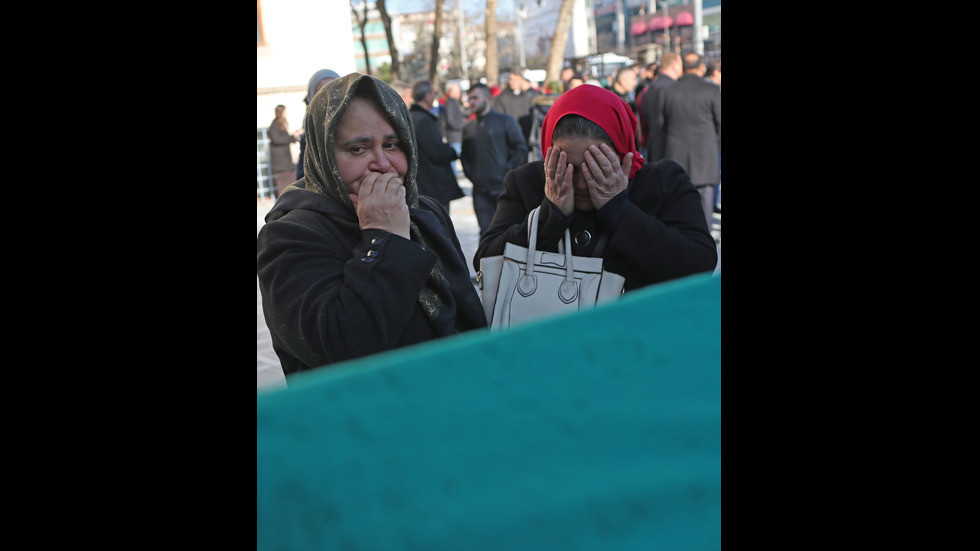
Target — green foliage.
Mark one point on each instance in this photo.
(383, 72)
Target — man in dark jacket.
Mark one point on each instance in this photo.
(690, 114)
(667, 74)
(493, 144)
(435, 175)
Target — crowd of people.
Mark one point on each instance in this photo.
(359, 254)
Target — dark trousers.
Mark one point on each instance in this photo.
(484, 204)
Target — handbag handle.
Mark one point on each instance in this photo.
(568, 289)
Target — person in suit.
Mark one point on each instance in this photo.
(435, 176)
(352, 260)
(690, 114)
(668, 72)
(644, 220)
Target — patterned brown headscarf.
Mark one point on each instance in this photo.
(321, 174)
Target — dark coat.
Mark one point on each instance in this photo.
(656, 141)
(435, 177)
(492, 145)
(690, 114)
(662, 233)
(453, 118)
(280, 157)
(327, 298)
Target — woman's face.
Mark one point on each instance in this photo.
(574, 148)
(365, 142)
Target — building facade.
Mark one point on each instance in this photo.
(614, 27)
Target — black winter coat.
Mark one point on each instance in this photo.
(436, 177)
(328, 298)
(492, 146)
(662, 234)
(656, 140)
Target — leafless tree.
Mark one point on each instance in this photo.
(362, 23)
(493, 63)
(436, 38)
(386, 20)
(558, 41)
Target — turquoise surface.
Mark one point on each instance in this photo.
(600, 430)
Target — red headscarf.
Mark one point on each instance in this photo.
(603, 108)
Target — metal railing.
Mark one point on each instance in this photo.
(263, 180)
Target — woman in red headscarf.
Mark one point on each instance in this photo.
(644, 220)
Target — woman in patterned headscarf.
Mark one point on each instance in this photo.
(352, 260)
(644, 220)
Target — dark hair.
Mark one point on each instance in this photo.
(480, 86)
(711, 67)
(420, 89)
(577, 126)
(691, 61)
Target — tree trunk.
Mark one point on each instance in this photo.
(493, 62)
(386, 20)
(559, 40)
(362, 22)
(434, 56)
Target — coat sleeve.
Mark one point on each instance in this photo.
(430, 144)
(280, 137)
(716, 112)
(466, 156)
(663, 235)
(326, 301)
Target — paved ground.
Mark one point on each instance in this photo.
(464, 219)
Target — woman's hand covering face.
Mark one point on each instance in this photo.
(604, 173)
(381, 204)
(558, 176)
(372, 166)
(600, 175)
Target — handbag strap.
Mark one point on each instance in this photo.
(564, 246)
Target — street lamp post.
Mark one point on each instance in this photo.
(698, 36)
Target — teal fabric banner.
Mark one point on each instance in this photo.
(599, 430)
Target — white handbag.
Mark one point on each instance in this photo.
(525, 283)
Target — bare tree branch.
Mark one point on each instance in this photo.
(362, 22)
